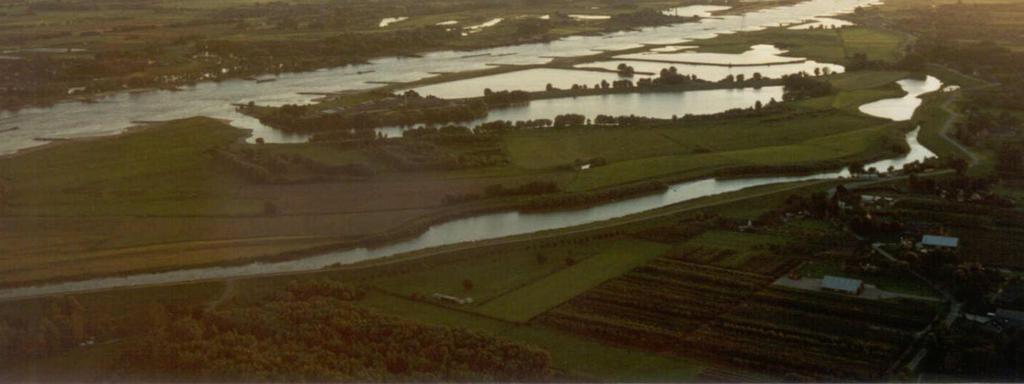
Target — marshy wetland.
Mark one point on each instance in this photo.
(521, 191)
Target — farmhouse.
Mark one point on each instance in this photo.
(842, 285)
(939, 242)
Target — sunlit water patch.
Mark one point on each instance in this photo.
(663, 105)
(391, 20)
(695, 10)
(902, 108)
(757, 54)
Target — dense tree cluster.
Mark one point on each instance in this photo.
(801, 86)
(504, 98)
(64, 324)
(981, 124)
(498, 126)
(312, 332)
(569, 120)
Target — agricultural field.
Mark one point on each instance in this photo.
(655, 306)
(805, 335)
(678, 304)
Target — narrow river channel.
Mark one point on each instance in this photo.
(482, 227)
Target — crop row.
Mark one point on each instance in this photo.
(655, 306)
(812, 335)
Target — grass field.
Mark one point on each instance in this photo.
(160, 171)
(533, 299)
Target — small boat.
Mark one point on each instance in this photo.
(3, 130)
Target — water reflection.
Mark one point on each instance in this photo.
(662, 105)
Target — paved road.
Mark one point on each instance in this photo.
(947, 127)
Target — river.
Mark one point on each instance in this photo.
(113, 113)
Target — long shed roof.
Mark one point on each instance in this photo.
(841, 284)
(940, 241)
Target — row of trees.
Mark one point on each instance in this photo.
(404, 110)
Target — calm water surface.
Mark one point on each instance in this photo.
(695, 10)
(902, 108)
(662, 105)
